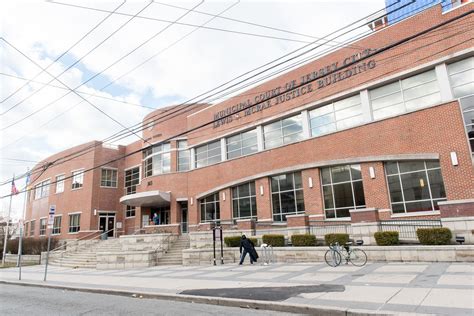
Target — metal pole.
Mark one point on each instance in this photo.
(20, 250)
(5, 240)
(214, 243)
(47, 256)
(222, 248)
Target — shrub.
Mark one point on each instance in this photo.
(434, 236)
(234, 241)
(387, 238)
(340, 238)
(274, 240)
(305, 240)
(32, 246)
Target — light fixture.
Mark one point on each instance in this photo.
(372, 172)
(310, 182)
(95, 212)
(223, 196)
(261, 190)
(192, 201)
(454, 158)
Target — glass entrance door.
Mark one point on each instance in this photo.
(107, 223)
(184, 218)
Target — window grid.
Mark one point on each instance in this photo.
(132, 179)
(74, 223)
(77, 179)
(404, 201)
(42, 230)
(108, 178)
(130, 211)
(237, 199)
(332, 184)
(60, 183)
(32, 228)
(57, 225)
(279, 215)
(208, 154)
(210, 208)
(184, 156)
(280, 132)
(42, 189)
(461, 77)
(235, 144)
(156, 160)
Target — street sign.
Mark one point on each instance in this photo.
(52, 209)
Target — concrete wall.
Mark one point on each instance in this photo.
(25, 259)
(127, 259)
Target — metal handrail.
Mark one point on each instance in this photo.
(55, 250)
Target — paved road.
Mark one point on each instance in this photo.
(25, 300)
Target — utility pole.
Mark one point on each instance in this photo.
(6, 227)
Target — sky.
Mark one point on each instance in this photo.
(134, 61)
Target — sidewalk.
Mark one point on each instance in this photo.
(430, 288)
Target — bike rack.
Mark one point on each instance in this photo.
(267, 254)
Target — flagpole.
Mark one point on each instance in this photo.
(21, 222)
(8, 223)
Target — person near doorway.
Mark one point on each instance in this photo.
(156, 219)
(248, 247)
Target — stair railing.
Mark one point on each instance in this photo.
(61, 254)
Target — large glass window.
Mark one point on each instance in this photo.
(74, 223)
(108, 178)
(241, 144)
(210, 209)
(461, 77)
(287, 195)
(208, 154)
(184, 156)
(405, 95)
(57, 225)
(342, 190)
(156, 160)
(415, 186)
(77, 179)
(42, 189)
(42, 231)
(284, 131)
(467, 105)
(32, 228)
(60, 183)
(336, 116)
(244, 203)
(132, 179)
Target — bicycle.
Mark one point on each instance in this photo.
(336, 253)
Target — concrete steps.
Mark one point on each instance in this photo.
(174, 255)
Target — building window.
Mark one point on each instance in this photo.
(208, 154)
(108, 178)
(26, 231)
(77, 179)
(184, 156)
(287, 195)
(42, 189)
(42, 231)
(132, 179)
(130, 211)
(467, 105)
(342, 189)
(156, 160)
(210, 209)
(32, 228)
(74, 223)
(60, 183)
(244, 203)
(57, 225)
(336, 116)
(241, 144)
(461, 77)
(415, 186)
(405, 95)
(282, 132)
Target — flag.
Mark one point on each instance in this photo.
(14, 189)
(28, 178)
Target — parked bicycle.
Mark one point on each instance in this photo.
(336, 253)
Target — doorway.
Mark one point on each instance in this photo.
(184, 218)
(107, 223)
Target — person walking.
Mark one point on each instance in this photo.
(249, 248)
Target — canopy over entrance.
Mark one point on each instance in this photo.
(147, 199)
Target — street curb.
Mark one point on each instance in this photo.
(228, 302)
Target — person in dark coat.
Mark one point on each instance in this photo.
(249, 248)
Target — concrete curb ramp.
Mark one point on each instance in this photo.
(230, 302)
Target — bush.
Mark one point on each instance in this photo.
(234, 241)
(274, 240)
(306, 240)
(388, 238)
(340, 238)
(31, 246)
(434, 236)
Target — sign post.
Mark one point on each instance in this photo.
(52, 211)
(20, 248)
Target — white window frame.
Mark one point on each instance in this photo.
(43, 188)
(116, 177)
(60, 226)
(182, 150)
(73, 176)
(69, 222)
(162, 152)
(45, 226)
(282, 136)
(206, 159)
(60, 182)
(241, 147)
(125, 177)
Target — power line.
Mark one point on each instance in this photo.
(62, 55)
(371, 55)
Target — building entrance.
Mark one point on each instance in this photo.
(184, 218)
(107, 223)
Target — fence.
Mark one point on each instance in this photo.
(407, 228)
(321, 228)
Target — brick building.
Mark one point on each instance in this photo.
(383, 129)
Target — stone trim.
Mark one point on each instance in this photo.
(363, 210)
(415, 214)
(456, 202)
